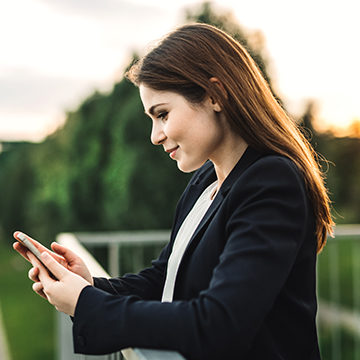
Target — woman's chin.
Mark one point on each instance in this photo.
(187, 168)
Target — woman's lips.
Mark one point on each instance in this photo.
(172, 152)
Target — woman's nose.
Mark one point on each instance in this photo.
(157, 134)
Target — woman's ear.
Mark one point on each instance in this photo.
(215, 105)
(218, 83)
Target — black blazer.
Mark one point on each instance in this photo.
(245, 288)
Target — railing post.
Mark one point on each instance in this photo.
(335, 297)
(65, 352)
(356, 290)
(113, 256)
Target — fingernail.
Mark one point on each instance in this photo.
(45, 255)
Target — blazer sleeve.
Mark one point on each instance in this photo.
(266, 214)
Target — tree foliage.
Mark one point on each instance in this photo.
(339, 160)
(100, 171)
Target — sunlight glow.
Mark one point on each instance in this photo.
(56, 53)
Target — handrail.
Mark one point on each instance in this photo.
(148, 354)
(124, 237)
(70, 241)
(337, 316)
(347, 230)
(330, 314)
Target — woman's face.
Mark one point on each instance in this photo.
(190, 134)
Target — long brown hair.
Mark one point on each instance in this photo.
(187, 58)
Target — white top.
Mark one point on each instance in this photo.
(183, 237)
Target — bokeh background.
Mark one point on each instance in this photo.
(75, 153)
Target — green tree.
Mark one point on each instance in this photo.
(338, 157)
(100, 171)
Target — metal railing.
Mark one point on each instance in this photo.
(117, 241)
(332, 315)
(114, 241)
(339, 294)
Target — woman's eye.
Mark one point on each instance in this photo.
(162, 115)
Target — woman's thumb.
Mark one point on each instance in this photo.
(64, 252)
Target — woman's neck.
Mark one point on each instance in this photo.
(228, 156)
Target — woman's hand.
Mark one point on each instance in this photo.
(72, 262)
(64, 292)
(22, 250)
(61, 254)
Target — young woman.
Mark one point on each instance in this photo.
(237, 279)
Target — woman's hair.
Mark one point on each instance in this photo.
(184, 62)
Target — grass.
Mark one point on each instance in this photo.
(29, 320)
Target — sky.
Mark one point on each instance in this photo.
(55, 53)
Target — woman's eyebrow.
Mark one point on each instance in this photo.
(152, 109)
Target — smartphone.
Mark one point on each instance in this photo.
(25, 241)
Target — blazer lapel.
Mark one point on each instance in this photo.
(250, 156)
(195, 189)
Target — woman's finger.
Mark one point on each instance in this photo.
(57, 269)
(39, 246)
(22, 250)
(39, 289)
(34, 274)
(64, 252)
(43, 275)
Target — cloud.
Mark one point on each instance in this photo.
(28, 90)
(103, 9)
(115, 22)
